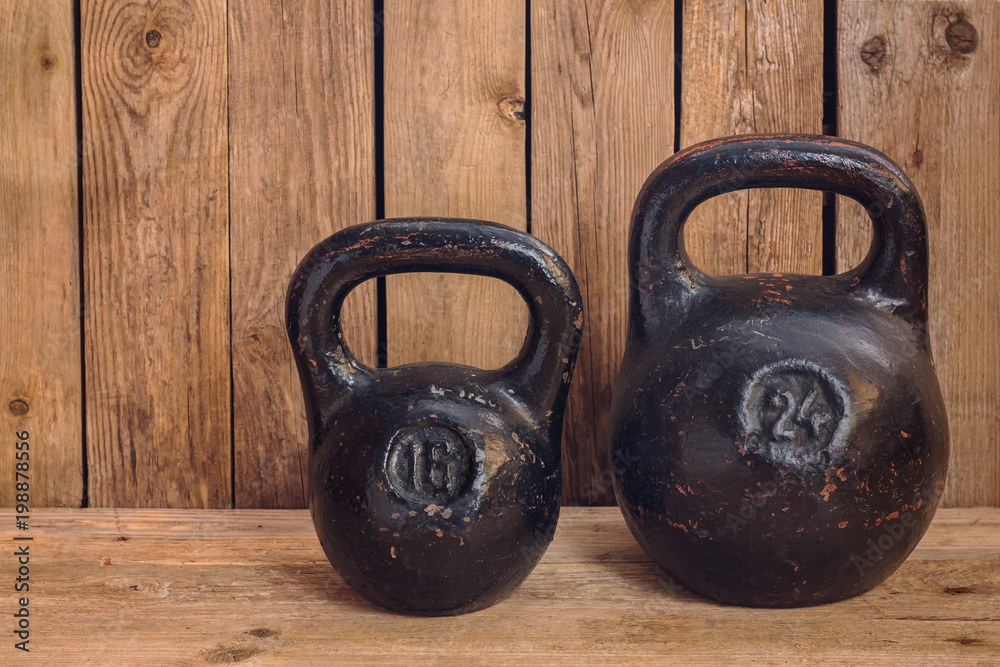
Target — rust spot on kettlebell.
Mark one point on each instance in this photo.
(962, 36)
(874, 52)
(18, 407)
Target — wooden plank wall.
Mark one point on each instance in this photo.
(41, 392)
(167, 165)
(754, 66)
(921, 82)
(302, 165)
(455, 147)
(602, 119)
(156, 253)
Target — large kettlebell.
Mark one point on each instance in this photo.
(778, 440)
(434, 488)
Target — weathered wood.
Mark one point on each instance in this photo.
(156, 245)
(753, 66)
(602, 118)
(156, 253)
(454, 146)
(40, 382)
(918, 81)
(228, 586)
(302, 165)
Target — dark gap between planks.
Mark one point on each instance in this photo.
(381, 309)
(830, 103)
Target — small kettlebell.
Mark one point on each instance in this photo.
(778, 440)
(434, 488)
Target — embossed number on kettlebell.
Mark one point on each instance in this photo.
(794, 411)
(429, 462)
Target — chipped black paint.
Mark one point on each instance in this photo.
(788, 436)
(434, 487)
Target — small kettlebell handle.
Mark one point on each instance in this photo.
(893, 275)
(337, 265)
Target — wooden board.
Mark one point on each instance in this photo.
(302, 165)
(918, 81)
(602, 118)
(455, 147)
(167, 410)
(40, 382)
(156, 253)
(220, 587)
(753, 66)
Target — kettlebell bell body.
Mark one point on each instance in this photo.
(778, 440)
(434, 488)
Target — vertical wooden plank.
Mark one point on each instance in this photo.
(156, 256)
(716, 101)
(40, 381)
(602, 118)
(301, 139)
(455, 146)
(919, 81)
(754, 66)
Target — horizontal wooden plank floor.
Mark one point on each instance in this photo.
(253, 587)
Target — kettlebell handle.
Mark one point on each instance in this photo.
(337, 265)
(893, 275)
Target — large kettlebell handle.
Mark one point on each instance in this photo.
(337, 265)
(893, 275)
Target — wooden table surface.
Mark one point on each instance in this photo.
(253, 587)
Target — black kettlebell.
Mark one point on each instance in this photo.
(778, 440)
(434, 488)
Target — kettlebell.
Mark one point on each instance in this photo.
(434, 488)
(778, 440)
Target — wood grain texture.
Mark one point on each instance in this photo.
(41, 388)
(217, 587)
(455, 147)
(302, 165)
(156, 253)
(602, 118)
(753, 66)
(918, 81)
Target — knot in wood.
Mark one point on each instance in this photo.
(512, 108)
(962, 36)
(873, 53)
